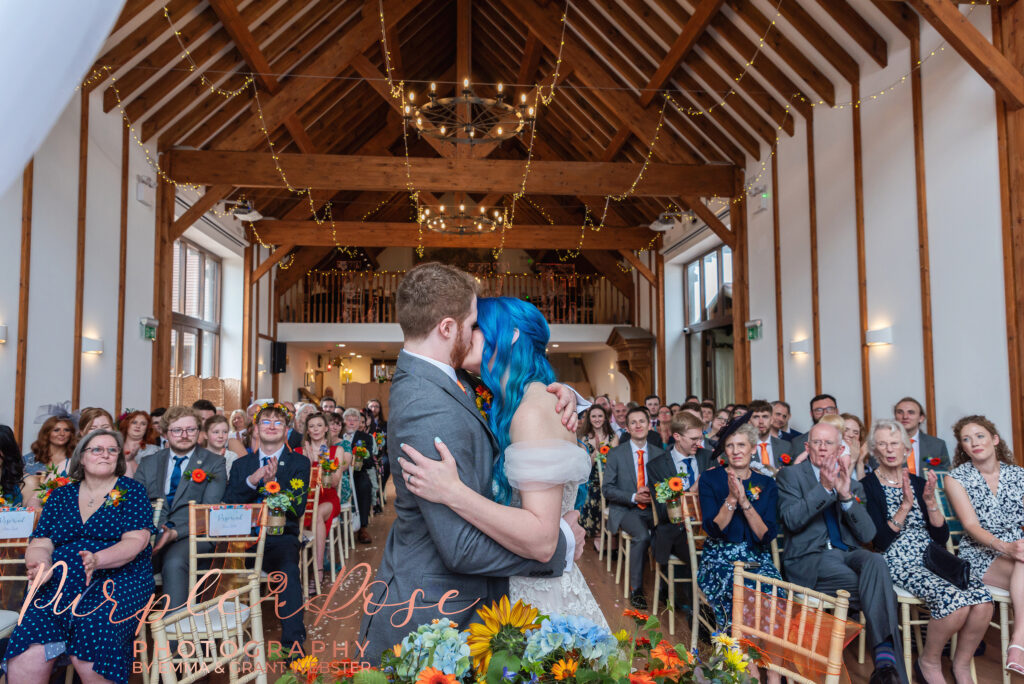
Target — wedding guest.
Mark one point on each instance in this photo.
(604, 402)
(856, 441)
(907, 518)
(673, 408)
(216, 430)
(825, 526)
(653, 403)
(720, 420)
(821, 405)
(627, 490)
(328, 404)
(239, 422)
(595, 434)
(739, 410)
(154, 417)
(299, 426)
(664, 428)
(986, 491)
(739, 509)
(53, 447)
(14, 490)
(182, 472)
(94, 418)
(619, 410)
(274, 461)
(140, 438)
(317, 448)
(335, 427)
(707, 413)
(351, 439)
(205, 409)
(377, 426)
(929, 453)
(770, 453)
(94, 529)
(780, 421)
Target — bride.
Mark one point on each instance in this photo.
(540, 467)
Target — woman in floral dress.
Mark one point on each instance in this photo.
(596, 436)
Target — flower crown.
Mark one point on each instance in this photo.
(267, 405)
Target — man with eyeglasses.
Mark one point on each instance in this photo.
(276, 462)
(822, 405)
(175, 474)
(822, 511)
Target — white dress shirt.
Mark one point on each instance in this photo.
(688, 464)
(768, 447)
(263, 459)
(170, 468)
(448, 370)
(636, 464)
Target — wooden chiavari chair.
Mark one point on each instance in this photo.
(308, 533)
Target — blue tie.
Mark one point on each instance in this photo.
(175, 479)
(832, 523)
(691, 470)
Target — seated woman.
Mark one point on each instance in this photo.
(855, 437)
(721, 419)
(92, 530)
(986, 491)
(739, 511)
(140, 438)
(94, 418)
(316, 446)
(13, 488)
(907, 517)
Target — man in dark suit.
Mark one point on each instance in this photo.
(825, 522)
(353, 438)
(181, 473)
(780, 421)
(276, 462)
(376, 425)
(930, 453)
(770, 453)
(629, 479)
(822, 405)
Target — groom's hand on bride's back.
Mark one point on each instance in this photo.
(573, 519)
(566, 405)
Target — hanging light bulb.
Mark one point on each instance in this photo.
(412, 96)
(433, 87)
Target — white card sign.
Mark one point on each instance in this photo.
(230, 522)
(16, 523)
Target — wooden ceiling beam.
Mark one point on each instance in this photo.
(975, 48)
(357, 172)
(532, 52)
(790, 53)
(606, 263)
(901, 15)
(405, 234)
(130, 10)
(640, 266)
(709, 104)
(822, 40)
(862, 32)
(703, 13)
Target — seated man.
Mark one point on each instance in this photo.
(169, 474)
(276, 462)
(768, 456)
(929, 453)
(825, 524)
(628, 482)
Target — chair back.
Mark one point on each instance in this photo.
(239, 555)
(801, 640)
(13, 571)
(307, 526)
(693, 526)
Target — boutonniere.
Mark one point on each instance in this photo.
(198, 475)
(786, 458)
(934, 461)
(483, 400)
(753, 491)
(116, 496)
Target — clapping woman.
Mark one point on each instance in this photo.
(986, 491)
(92, 530)
(907, 518)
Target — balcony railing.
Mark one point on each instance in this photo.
(370, 297)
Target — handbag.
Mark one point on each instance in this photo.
(944, 564)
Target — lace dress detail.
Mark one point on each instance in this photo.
(539, 465)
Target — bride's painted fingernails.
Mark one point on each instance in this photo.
(402, 445)
(437, 440)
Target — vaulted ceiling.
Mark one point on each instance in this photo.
(740, 73)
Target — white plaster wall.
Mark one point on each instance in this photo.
(604, 378)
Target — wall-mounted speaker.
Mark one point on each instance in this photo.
(278, 357)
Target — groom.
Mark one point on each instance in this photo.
(432, 553)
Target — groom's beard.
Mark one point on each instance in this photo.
(461, 350)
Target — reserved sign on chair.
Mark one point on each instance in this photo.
(16, 523)
(230, 521)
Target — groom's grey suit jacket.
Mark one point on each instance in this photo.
(430, 548)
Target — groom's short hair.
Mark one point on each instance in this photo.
(431, 292)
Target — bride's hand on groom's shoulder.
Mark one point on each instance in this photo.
(566, 405)
(436, 481)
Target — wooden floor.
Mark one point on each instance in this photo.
(336, 632)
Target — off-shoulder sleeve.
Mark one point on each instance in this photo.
(545, 463)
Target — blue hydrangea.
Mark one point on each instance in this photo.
(594, 642)
(439, 645)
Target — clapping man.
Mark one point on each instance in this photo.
(825, 521)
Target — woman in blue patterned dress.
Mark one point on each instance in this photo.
(738, 507)
(95, 529)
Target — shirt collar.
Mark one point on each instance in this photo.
(277, 454)
(448, 370)
(174, 455)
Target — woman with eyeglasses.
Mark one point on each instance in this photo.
(96, 528)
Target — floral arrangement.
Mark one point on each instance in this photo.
(483, 401)
(603, 452)
(115, 497)
(328, 465)
(753, 491)
(198, 475)
(378, 438)
(360, 452)
(669, 489)
(280, 501)
(273, 405)
(50, 482)
(438, 647)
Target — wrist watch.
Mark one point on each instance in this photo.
(747, 507)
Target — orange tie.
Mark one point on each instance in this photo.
(911, 460)
(764, 453)
(641, 476)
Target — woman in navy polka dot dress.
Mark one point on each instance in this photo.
(99, 527)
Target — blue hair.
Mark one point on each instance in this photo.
(525, 361)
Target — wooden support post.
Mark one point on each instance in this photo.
(862, 274)
(740, 301)
(813, 202)
(659, 262)
(122, 265)
(777, 243)
(162, 274)
(247, 336)
(83, 175)
(24, 279)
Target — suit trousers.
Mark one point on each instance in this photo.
(865, 575)
(364, 494)
(281, 554)
(637, 524)
(172, 564)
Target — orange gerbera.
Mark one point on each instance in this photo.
(666, 653)
(641, 677)
(675, 484)
(604, 449)
(198, 475)
(272, 487)
(432, 675)
(564, 669)
(636, 615)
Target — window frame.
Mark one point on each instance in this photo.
(183, 323)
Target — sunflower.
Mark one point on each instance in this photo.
(305, 665)
(675, 484)
(501, 628)
(564, 669)
(296, 483)
(272, 487)
(432, 675)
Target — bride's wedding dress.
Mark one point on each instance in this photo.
(539, 465)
